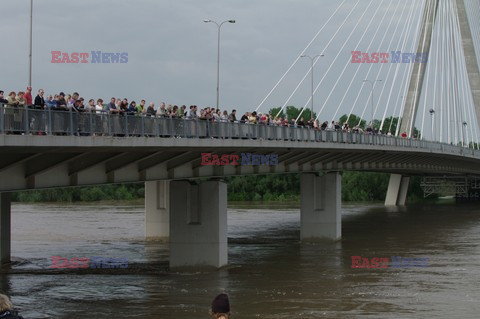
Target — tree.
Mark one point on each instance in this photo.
(292, 112)
(274, 111)
(386, 125)
(352, 121)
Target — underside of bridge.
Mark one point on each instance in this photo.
(45, 162)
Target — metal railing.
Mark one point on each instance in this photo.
(51, 121)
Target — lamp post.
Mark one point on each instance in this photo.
(218, 54)
(312, 60)
(372, 83)
(432, 113)
(30, 52)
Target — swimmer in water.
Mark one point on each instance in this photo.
(6, 309)
(220, 307)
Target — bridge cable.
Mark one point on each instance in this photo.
(299, 56)
(315, 62)
(329, 68)
(379, 48)
(408, 71)
(349, 59)
(367, 50)
(417, 85)
(404, 36)
(388, 72)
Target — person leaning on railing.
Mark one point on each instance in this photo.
(37, 116)
(2, 99)
(11, 99)
(3, 103)
(10, 112)
(20, 102)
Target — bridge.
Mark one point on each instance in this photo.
(49, 148)
(166, 153)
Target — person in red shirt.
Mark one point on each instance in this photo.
(404, 134)
(28, 95)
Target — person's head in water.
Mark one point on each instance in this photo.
(6, 308)
(5, 303)
(220, 307)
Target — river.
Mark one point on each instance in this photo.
(270, 273)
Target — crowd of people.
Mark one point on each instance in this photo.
(73, 102)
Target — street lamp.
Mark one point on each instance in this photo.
(372, 83)
(432, 113)
(218, 54)
(30, 52)
(311, 71)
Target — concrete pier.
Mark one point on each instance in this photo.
(397, 190)
(157, 212)
(5, 224)
(320, 207)
(198, 224)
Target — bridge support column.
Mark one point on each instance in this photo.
(198, 224)
(157, 212)
(397, 190)
(5, 224)
(320, 207)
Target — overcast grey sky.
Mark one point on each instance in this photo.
(172, 52)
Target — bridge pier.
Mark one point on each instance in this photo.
(157, 212)
(320, 207)
(198, 224)
(5, 224)
(397, 190)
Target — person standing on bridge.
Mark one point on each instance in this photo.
(28, 96)
(2, 99)
(220, 307)
(233, 116)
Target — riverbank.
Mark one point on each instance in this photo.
(356, 187)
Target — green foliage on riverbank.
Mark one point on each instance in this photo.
(83, 194)
(356, 187)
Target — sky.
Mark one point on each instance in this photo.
(172, 53)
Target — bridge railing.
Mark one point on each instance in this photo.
(52, 121)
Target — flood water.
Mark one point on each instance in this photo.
(271, 274)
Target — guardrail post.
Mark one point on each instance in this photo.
(142, 125)
(26, 119)
(90, 117)
(109, 124)
(126, 123)
(2, 119)
(49, 128)
(175, 126)
(71, 121)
